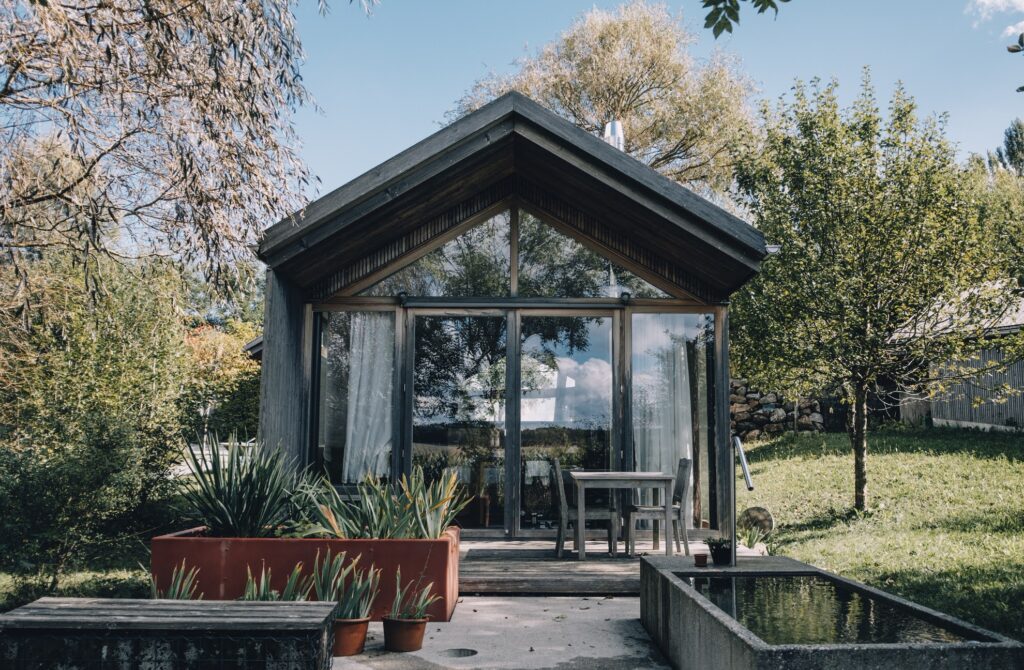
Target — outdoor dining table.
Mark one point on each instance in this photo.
(620, 480)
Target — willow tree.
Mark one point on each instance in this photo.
(888, 277)
(137, 128)
(684, 117)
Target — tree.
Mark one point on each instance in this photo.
(89, 418)
(888, 273)
(222, 394)
(1010, 156)
(723, 14)
(684, 118)
(137, 128)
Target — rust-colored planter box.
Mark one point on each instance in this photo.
(222, 563)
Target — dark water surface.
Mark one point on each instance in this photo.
(807, 609)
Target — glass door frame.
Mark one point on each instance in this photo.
(513, 309)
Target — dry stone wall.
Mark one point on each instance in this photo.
(755, 414)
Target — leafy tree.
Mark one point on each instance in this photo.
(140, 128)
(89, 422)
(1010, 156)
(684, 118)
(887, 274)
(723, 14)
(222, 394)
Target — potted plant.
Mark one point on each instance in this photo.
(354, 590)
(721, 549)
(404, 626)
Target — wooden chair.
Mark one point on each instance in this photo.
(680, 490)
(568, 513)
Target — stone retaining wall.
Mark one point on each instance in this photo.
(754, 414)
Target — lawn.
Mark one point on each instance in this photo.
(946, 524)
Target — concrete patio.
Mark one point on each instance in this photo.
(569, 633)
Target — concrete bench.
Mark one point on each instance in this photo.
(118, 634)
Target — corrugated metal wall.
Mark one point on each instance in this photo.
(973, 403)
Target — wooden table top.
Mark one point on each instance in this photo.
(595, 476)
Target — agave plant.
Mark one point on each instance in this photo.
(296, 588)
(353, 589)
(417, 509)
(411, 601)
(182, 587)
(246, 494)
(436, 504)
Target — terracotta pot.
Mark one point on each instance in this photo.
(350, 636)
(404, 634)
(221, 562)
(700, 560)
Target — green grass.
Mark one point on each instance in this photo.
(946, 524)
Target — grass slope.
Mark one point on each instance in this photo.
(946, 525)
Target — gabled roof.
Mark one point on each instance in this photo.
(509, 149)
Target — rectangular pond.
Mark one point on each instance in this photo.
(774, 612)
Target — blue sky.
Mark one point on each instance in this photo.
(385, 81)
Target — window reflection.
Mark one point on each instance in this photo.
(553, 265)
(673, 399)
(474, 264)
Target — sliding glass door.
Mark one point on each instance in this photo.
(458, 407)
(567, 374)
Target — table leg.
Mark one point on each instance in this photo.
(667, 497)
(581, 522)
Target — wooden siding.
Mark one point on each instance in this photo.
(285, 381)
(972, 402)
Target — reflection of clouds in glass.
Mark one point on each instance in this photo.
(572, 392)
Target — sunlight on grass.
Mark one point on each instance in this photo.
(946, 524)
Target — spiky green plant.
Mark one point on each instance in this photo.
(750, 536)
(182, 587)
(411, 601)
(415, 509)
(246, 495)
(436, 504)
(353, 589)
(296, 588)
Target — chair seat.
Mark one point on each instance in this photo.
(648, 509)
(594, 513)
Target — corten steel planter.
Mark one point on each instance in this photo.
(222, 563)
(404, 634)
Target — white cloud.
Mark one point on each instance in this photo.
(1014, 30)
(987, 9)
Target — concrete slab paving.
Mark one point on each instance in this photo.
(525, 633)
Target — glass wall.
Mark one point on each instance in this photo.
(458, 413)
(553, 265)
(673, 400)
(565, 407)
(356, 399)
(474, 264)
(453, 357)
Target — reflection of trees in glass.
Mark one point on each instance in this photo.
(476, 263)
(460, 367)
(555, 265)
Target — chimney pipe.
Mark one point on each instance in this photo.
(613, 134)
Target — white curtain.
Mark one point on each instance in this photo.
(662, 410)
(368, 424)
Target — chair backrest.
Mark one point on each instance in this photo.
(558, 482)
(681, 489)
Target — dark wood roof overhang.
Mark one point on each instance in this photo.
(513, 150)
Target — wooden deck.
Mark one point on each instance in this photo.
(530, 567)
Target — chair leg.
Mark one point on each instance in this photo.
(630, 536)
(560, 539)
(686, 540)
(675, 533)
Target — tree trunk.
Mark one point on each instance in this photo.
(859, 440)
